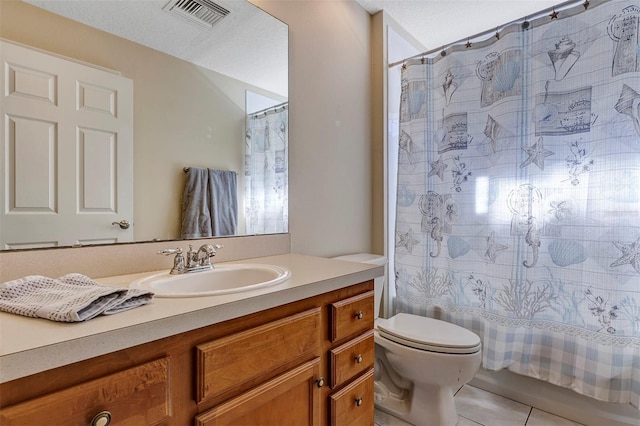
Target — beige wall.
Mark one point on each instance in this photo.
(330, 179)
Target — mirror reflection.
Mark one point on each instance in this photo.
(201, 97)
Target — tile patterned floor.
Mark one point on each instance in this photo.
(477, 407)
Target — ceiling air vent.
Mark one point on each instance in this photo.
(202, 12)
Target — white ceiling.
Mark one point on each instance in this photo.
(435, 23)
(248, 45)
(252, 46)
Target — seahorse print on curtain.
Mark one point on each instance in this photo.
(519, 195)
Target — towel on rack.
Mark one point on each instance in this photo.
(223, 186)
(196, 222)
(209, 203)
(71, 298)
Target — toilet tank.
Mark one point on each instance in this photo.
(374, 259)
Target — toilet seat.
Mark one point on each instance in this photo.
(429, 334)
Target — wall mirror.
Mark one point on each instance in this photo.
(194, 66)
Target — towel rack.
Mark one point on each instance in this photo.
(186, 169)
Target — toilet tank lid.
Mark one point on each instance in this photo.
(374, 259)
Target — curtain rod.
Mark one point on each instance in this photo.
(551, 10)
(274, 108)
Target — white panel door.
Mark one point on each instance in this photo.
(66, 169)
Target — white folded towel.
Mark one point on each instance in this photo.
(71, 298)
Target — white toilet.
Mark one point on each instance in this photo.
(420, 362)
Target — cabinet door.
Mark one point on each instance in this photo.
(353, 405)
(292, 399)
(136, 396)
(351, 359)
(238, 362)
(351, 316)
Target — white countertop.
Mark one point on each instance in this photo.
(32, 345)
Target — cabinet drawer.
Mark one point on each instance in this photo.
(136, 396)
(290, 398)
(242, 360)
(351, 359)
(353, 405)
(351, 316)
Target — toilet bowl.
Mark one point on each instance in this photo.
(420, 362)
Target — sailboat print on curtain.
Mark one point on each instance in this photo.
(519, 197)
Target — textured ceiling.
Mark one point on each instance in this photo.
(435, 23)
(248, 45)
(251, 46)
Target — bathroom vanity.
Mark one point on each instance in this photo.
(300, 352)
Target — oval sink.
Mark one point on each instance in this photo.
(222, 279)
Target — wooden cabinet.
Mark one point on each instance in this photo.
(291, 398)
(351, 316)
(244, 359)
(304, 363)
(135, 396)
(353, 404)
(248, 359)
(351, 360)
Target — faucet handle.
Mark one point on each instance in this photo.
(178, 261)
(214, 247)
(168, 252)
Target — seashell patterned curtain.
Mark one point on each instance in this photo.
(518, 212)
(266, 171)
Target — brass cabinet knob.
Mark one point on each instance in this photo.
(359, 359)
(320, 382)
(359, 315)
(359, 401)
(103, 418)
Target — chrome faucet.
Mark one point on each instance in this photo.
(195, 261)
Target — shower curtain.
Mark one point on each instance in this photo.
(518, 200)
(266, 171)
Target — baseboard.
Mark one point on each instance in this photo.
(556, 400)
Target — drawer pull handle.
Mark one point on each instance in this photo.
(320, 382)
(359, 358)
(359, 315)
(359, 401)
(103, 418)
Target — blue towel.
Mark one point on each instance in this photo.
(223, 206)
(209, 203)
(196, 220)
